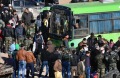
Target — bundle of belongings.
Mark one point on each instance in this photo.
(5, 67)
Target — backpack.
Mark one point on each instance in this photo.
(39, 39)
(74, 60)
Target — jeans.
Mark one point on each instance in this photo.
(87, 72)
(22, 67)
(15, 67)
(44, 63)
(66, 68)
(30, 66)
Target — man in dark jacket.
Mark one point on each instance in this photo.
(66, 64)
(87, 64)
(27, 17)
(8, 34)
(44, 58)
(91, 41)
(6, 16)
(74, 62)
(20, 32)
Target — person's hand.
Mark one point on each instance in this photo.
(35, 65)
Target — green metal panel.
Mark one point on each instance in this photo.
(93, 7)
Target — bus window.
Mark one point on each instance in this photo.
(77, 25)
(17, 3)
(83, 22)
(24, 3)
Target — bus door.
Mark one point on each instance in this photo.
(60, 21)
(80, 29)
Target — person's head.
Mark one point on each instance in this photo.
(73, 52)
(111, 40)
(72, 44)
(9, 5)
(13, 41)
(56, 48)
(29, 48)
(82, 58)
(39, 32)
(87, 53)
(38, 17)
(99, 36)
(84, 41)
(97, 47)
(22, 46)
(1, 5)
(92, 34)
(81, 48)
(49, 42)
(66, 36)
(6, 11)
(19, 22)
(27, 10)
(14, 12)
(29, 37)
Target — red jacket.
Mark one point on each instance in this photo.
(1, 37)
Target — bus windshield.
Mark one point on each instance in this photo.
(60, 21)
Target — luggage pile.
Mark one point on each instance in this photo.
(5, 69)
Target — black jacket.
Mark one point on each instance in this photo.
(74, 60)
(6, 17)
(45, 55)
(8, 32)
(19, 31)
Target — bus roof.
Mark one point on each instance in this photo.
(93, 7)
(44, 8)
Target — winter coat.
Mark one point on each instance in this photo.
(57, 66)
(19, 31)
(27, 17)
(8, 32)
(81, 68)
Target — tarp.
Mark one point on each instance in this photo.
(3, 55)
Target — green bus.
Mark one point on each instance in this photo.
(80, 19)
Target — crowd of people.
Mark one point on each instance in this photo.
(32, 51)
